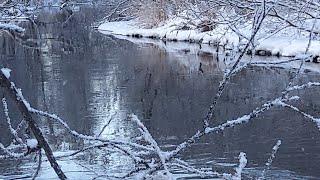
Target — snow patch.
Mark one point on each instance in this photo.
(161, 175)
(280, 44)
(32, 143)
(242, 164)
(129, 30)
(6, 72)
(13, 27)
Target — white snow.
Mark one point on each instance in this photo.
(276, 147)
(148, 138)
(270, 159)
(186, 50)
(230, 123)
(242, 164)
(32, 143)
(13, 27)
(20, 96)
(307, 85)
(6, 72)
(8, 153)
(6, 113)
(160, 175)
(282, 43)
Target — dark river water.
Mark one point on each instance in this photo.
(87, 77)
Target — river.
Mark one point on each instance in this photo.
(88, 78)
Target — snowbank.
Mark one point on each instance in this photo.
(12, 27)
(191, 54)
(279, 45)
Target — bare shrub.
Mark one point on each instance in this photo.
(150, 13)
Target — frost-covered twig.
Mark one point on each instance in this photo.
(9, 154)
(185, 166)
(23, 107)
(117, 144)
(112, 143)
(242, 164)
(12, 130)
(11, 27)
(257, 25)
(148, 138)
(312, 118)
(270, 159)
(83, 136)
(127, 152)
(231, 123)
(115, 9)
(303, 86)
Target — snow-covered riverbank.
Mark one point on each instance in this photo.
(195, 53)
(281, 44)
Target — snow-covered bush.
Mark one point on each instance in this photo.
(294, 17)
(151, 12)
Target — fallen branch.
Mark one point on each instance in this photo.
(14, 93)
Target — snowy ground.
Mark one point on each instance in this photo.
(204, 51)
(281, 44)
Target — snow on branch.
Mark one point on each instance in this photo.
(185, 166)
(10, 154)
(20, 97)
(11, 27)
(277, 102)
(6, 72)
(312, 118)
(270, 159)
(23, 106)
(12, 130)
(273, 154)
(304, 86)
(148, 137)
(235, 68)
(17, 142)
(242, 164)
(83, 136)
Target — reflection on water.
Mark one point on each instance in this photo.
(91, 79)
